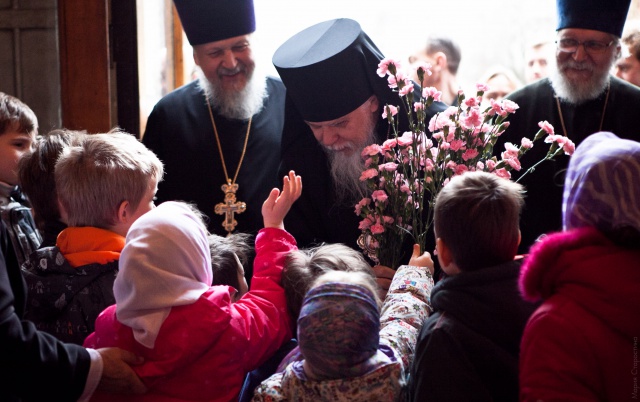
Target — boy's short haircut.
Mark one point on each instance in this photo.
(303, 267)
(223, 261)
(477, 216)
(94, 178)
(36, 172)
(15, 114)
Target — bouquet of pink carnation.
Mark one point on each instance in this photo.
(406, 172)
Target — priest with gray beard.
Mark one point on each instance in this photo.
(333, 110)
(219, 136)
(579, 98)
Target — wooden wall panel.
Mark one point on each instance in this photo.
(85, 65)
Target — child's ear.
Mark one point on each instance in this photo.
(123, 212)
(444, 253)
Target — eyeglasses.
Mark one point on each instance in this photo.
(590, 46)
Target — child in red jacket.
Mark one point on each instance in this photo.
(196, 342)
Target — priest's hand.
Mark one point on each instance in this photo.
(278, 204)
(384, 276)
(117, 375)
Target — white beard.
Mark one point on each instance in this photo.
(579, 92)
(240, 105)
(347, 169)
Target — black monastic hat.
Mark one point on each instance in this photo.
(207, 21)
(599, 15)
(329, 70)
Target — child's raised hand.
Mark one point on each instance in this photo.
(277, 205)
(423, 260)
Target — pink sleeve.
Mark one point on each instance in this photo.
(263, 309)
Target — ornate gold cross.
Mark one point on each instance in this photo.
(230, 207)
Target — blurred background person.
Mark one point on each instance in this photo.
(501, 81)
(628, 65)
(444, 56)
(537, 58)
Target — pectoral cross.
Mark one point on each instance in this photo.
(230, 207)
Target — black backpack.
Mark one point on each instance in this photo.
(21, 228)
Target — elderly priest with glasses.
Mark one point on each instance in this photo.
(579, 98)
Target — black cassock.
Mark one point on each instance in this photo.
(543, 203)
(180, 132)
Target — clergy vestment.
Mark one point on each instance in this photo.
(537, 101)
(180, 132)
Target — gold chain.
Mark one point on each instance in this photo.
(244, 148)
(604, 109)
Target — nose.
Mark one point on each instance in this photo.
(229, 59)
(326, 136)
(580, 53)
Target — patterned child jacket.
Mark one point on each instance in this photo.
(65, 301)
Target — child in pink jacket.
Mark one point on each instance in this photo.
(197, 344)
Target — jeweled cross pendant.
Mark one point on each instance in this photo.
(230, 207)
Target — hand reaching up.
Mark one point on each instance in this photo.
(277, 205)
(423, 260)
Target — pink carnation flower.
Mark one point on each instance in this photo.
(460, 169)
(469, 154)
(502, 172)
(514, 163)
(526, 143)
(418, 106)
(388, 167)
(491, 164)
(390, 108)
(363, 202)
(548, 128)
(482, 87)
(376, 229)
(407, 88)
(368, 174)
(379, 195)
(406, 139)
(371, 150)
(366, 223)
(569, 147)
(432, 92)
(456, 145)
(473, 118)
(509, 105)
(387, 220)
(383, 66)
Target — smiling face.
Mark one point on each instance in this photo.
(13, 145)
(583, 75)
(228, 64)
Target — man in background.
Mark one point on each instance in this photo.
(444, 56)
(580, 97)
(628, 66)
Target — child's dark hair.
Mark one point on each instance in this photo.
(223, 252)
(303, 267)
(16, 115)
(36, 171)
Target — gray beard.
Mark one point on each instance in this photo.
(580, 92)
(239, 105)
(346, 171)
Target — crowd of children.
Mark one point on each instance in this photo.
(116, 271)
